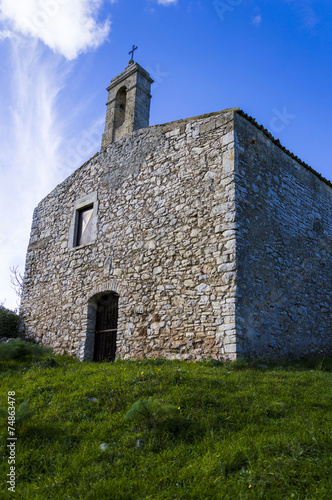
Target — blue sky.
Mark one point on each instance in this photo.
(270, 58)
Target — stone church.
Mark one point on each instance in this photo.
(199, 238)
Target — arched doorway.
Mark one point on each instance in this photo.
(106, 327)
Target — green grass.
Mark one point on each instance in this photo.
(238, 430)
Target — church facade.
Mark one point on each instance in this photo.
(193, 239)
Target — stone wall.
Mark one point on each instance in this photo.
(165, 242)
(284, 250)
(217, 241)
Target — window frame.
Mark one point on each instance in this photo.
(85, 202)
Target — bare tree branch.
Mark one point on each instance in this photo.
(16, 280)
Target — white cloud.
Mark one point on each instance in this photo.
(5, 34)
(67, 27)
(167, 2)
(257, 20)
(29, 150)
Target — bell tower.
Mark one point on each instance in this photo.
(128, 105)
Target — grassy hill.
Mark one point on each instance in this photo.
(196, 431)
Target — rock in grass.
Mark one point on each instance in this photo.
(103, 446)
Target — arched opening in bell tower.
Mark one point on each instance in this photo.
(120, 107)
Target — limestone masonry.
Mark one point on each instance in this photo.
(193, 239)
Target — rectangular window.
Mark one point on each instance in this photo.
(84, 225)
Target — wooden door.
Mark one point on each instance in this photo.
(106, 328)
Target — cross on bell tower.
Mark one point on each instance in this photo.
(132, 52)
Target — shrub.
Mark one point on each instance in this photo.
(9, 322)
(24, 412)
(150, 412)
(19, 349)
